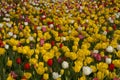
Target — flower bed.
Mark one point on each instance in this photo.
(60, 40)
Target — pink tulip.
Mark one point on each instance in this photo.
(31, 44)
(93, 54)
(58, 26)
(20, 27)
(13, 74)
(60, 60)
(105, 57)
(95, 78)
(44, 29)
(19, 44)
(42, 41)
(98, 57)
(116, 78)
(81, 36)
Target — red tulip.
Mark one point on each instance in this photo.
(26, 66)
(35, 28)
(52, 43)
(114, 27)
(23, 77)
(111, 67)
(18, 60)
(58, 26)
(50, 23)
(1, 29)
(60, 34)
(19, 44)
(41, 10)
(61, 45)
(1, 43)
(119, 10)
(50, 62)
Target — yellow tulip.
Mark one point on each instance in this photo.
(45, 76)
(2, 51)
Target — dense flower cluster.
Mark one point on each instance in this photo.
(60, 40)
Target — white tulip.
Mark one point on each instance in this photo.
(70, 15)
(108, 60)
(38, 28)
(105, 32)
(119, 13)
(63, 38)
(65, 64)
(10, 33)
(25, 23)
(7, 19)
(1, 25)
(72, 21)
(69, 31)
(110, 49)
(14, 36)
(111, 21)
(6, 46)
(43, 16)
(80, 28)
(9, 25)
(51, 25)
(118, 47)
(37, 8)
(109, 18)
(87, 70)
(35, 19)
(57, 10)
(87, 20)
(4, 18)
(55, 75)
(80, 10)
(117, 16)
(95, 51)
(7, 15)
(67, 11)
(31, 38)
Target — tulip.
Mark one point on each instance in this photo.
(50, 62)
(13, 74)
(111, 67)
(87, 70)
(18, 60)
(110, 49)
(65, 65)
(26, 66)
(42, 41)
